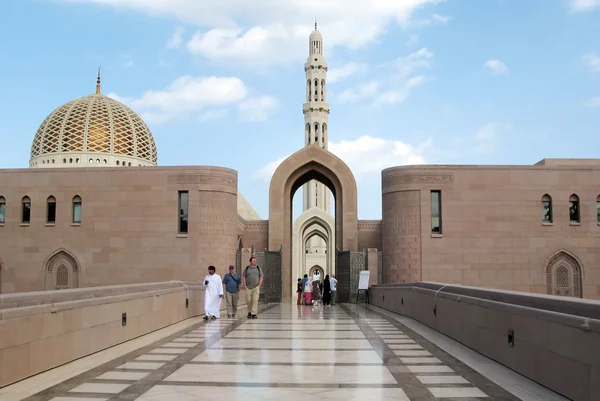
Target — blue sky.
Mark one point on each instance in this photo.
(222, 83)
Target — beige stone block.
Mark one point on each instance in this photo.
(15, 363)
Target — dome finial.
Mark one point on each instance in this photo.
(98, 83)
(315, 23)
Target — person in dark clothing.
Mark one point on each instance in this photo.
(299, 292)
(326, 291)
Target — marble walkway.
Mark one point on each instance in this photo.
(342, 352)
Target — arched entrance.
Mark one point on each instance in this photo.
(316, 273)
(318, 231)
(307, 225)
(310, 163)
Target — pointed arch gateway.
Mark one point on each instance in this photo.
(310, 163)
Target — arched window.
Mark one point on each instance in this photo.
(65, 160)
(25, 210)
(62, 271)
(574, 213)
(62, 277)
(323, 89)
(309, 89)
(91, 161)
(77, 160)
(51, 210)
(564, 276)
(2, 210)
(316, 89)
(547, 208)
(70, 160)
(76, 209)
(598, 209)
(117, 162)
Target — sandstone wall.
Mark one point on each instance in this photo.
(493, 234)
(129, 228)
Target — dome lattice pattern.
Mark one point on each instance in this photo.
(90, 128)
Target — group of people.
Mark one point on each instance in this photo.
(311, 291)
(229, 288)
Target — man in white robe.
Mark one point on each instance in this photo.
(213, 293)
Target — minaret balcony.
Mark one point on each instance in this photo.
(312, 106)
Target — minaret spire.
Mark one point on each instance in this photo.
(316, 115)
(98, 83)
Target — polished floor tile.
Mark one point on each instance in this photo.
(103, 388)
(289, 353)
(321, 334)
(287, 356)
(457, 392)
(123, 375)
(293, 343)
(442, 379)
(283, 374)
(188, 393)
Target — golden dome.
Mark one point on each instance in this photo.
(93, 130)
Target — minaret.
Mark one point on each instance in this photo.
(98, 82)
(316, 116)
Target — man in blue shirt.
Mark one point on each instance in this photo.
(304, 280)
(231, 282)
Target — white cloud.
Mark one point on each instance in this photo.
(592, 60)
(215, 114)
(265, 31)
(485, 138)
(365, 155)
(346, 70)
(397, 82)
(175, 40)
(593, 102)
(257, 108)
(583, 5)
(191, 95)
(497, 67)
(441, 18)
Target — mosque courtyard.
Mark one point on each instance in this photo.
(341, 352)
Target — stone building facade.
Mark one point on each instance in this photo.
(94, 209)
(81, 227)
(524, 228)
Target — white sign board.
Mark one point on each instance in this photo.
(363, 282)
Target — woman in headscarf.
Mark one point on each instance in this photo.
(326, 291)
(308, 288)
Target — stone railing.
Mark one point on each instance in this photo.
(551, 340)
(42, 330)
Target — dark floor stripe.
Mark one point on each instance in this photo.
(295, 349)
(287, 385)
(287, 363)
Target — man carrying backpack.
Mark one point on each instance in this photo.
(252, 278)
